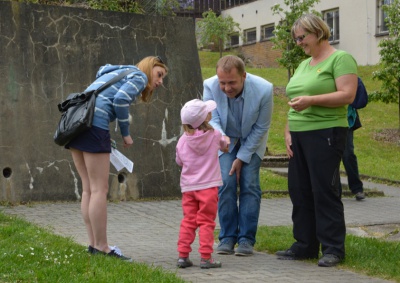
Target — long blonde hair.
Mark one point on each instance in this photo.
(146, 65)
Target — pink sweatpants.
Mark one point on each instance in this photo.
(199, 211)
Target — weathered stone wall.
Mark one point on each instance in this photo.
(48, 52)
(260, 54)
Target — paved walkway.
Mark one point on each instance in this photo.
(148, 232)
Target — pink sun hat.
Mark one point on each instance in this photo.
(195, 112)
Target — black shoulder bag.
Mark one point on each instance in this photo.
(77, 112)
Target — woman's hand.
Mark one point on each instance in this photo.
(288, 141)
(127, 141)
(300, 103)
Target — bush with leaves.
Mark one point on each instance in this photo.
(389, 74)
(216, 29)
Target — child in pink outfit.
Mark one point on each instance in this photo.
(197, 153)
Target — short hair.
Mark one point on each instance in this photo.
(311, 23)
(229, 62)
(146, 65)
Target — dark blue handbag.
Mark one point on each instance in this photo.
(361, 99)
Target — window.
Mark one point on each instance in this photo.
(250, 35)
(382, 27)
(234, 40)
(267, 31)
(332, 19)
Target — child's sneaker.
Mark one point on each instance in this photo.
(184, 262)
(210, 263)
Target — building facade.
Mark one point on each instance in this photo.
(357, 26)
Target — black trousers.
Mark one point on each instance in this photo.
(315, 191)
(351, 165)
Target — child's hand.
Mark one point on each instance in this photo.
(228, 142)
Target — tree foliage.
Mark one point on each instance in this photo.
(116, 6)
(292, 54)
(389, 74)
(148, 7)
(213, 28)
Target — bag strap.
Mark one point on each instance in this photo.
(112, 81)
(63, 106)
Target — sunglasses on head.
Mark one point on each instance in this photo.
(160, 60)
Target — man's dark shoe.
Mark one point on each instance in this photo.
(245, 248)
(290, 255)
(287, 255)
(360, 196)
(329, 260)
(225, 247)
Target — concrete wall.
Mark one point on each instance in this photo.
(358, 21)
(48, 52)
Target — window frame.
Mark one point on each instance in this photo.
(333, 23)
(264, 37)
(236, 34)
(381, 28)
(246, 33)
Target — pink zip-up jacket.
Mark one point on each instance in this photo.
(197, 154)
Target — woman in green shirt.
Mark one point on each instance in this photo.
(319, 92)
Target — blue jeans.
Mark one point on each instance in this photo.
(239, 222)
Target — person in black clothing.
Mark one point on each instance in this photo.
(350, 161)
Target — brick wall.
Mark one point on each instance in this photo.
(260, 54)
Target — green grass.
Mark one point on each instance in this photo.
(272, 184)
(373, 257)
(33, 254)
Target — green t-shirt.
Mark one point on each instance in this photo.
(319, 79)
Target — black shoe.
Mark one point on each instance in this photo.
(360, 196)
(90, 249)
(115, 252)
(329, 260)
(287, 255)
(290, 255)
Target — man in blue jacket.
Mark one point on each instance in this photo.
(243, 113)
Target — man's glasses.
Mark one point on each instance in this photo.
(301, 37)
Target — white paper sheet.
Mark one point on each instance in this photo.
(120, 161)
